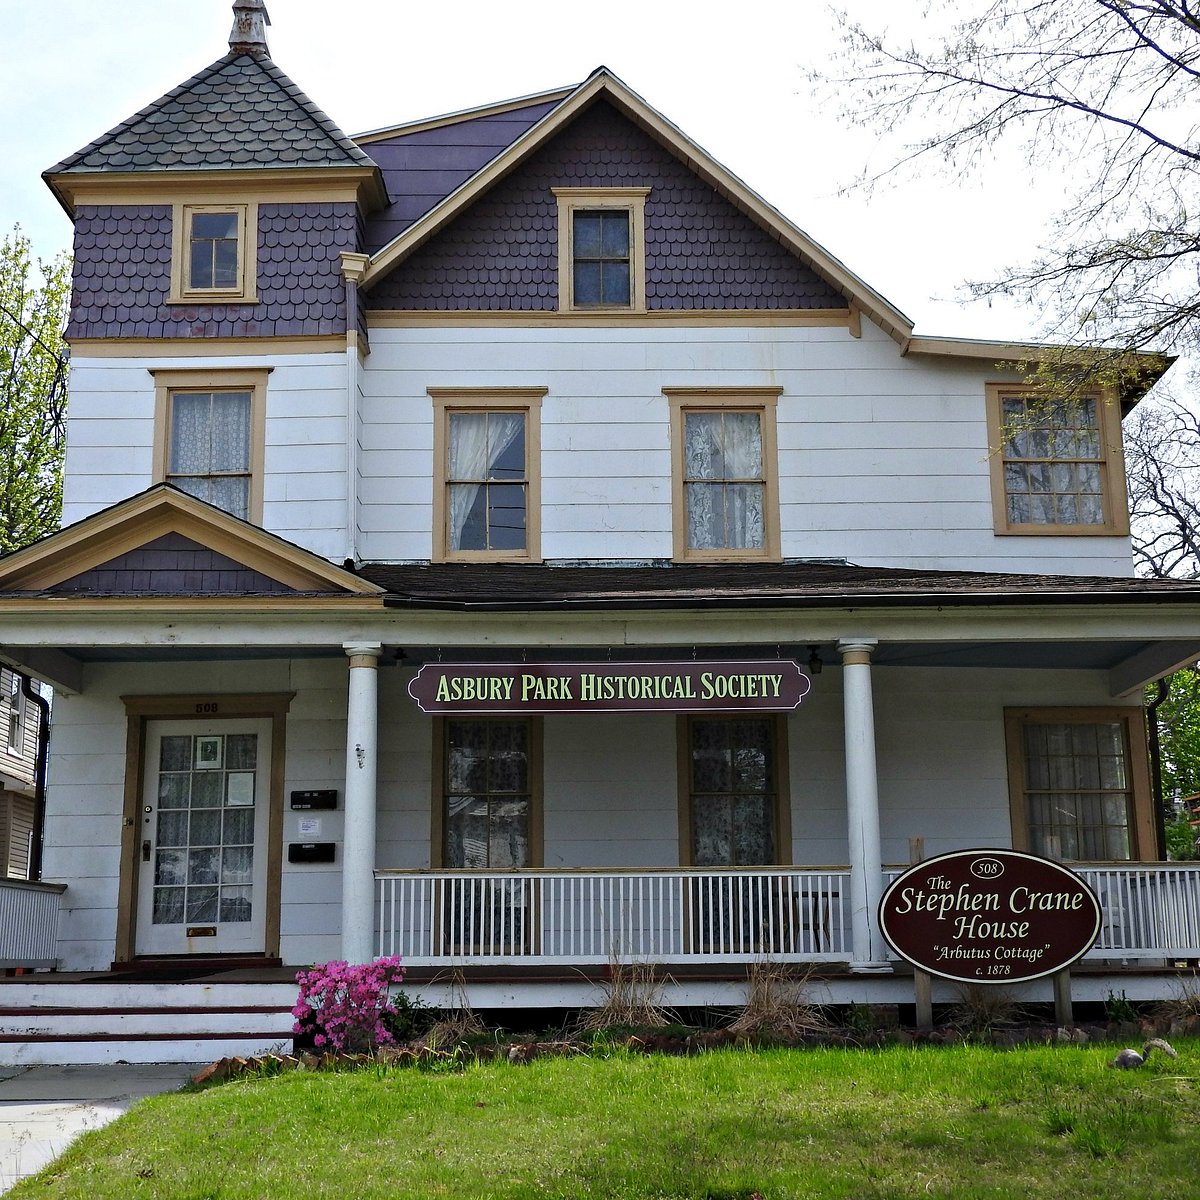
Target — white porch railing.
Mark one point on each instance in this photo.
(592, 917)
(1150, 911)
(29, 923)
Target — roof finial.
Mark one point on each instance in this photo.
(249, 34)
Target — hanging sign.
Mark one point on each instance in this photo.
(776, 685)
(990, 916)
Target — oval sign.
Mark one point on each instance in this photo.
(990, 916)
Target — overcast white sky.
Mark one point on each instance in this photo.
(731, 75)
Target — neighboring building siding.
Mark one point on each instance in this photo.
(610, 783)
(421, 168)
(110, 438)
(122, 275)
(16, 829)
(701, 252)
(882, 460)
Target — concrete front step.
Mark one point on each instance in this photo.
(84, 1022)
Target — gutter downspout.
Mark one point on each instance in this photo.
(39, 774)
(1160, 804)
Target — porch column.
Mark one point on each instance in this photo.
(358, 838)
(862, 807)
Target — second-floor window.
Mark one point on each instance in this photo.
(486, 497)
(211, 434)
(725, 491)
(1057, 463)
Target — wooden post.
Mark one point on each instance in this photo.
(1064, 1016)
(922, 980)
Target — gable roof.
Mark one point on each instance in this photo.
(602, 83)
(239, 112)
(104, 543)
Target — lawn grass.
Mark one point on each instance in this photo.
(961, 1122)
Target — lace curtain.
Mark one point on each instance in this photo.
(210, 448)
(484, 447)
(723, 479)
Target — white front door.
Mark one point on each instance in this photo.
(202, 851)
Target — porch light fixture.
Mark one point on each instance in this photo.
(814, 660)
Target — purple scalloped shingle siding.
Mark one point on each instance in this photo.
(171, 565)
(701, 251)
(122, 275)
(422, 168)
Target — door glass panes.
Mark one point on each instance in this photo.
(723, 481)
(204, 828)
(1078, 793)
(210, 448)
(733, 792)
(487, 481)
(1053, 461)
(600, 257)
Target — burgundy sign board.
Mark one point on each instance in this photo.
(990, 916)
(775, 685)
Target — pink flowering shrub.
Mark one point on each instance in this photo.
(343, 1006)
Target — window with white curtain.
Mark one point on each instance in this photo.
(724, 475)
(210, 434)
(1079, 783)
(209, 454)
(486, 496)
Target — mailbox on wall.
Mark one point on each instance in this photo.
(310, 852)
(316, 799)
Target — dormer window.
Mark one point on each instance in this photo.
(601, 249)
(213, 256)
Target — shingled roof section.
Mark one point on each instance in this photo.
(516, 587)
(242, 111)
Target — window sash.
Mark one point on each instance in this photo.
(733, 792)
(1053, 464)
(724, 480)
(1077, 790)
(209, 451)
(487, 480)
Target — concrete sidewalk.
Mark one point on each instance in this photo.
(43, 1109)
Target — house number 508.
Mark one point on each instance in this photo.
(208, 706)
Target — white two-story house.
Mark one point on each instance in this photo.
(505, 540)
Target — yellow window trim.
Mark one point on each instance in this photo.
(761, 400)
(633, 201)
(447, 400)
(245, 291)
(1111, 463)
(168, 383)
(1143, 842)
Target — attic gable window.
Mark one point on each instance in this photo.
(213, 253)
(601, 249)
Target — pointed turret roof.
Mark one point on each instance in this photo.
(241, 112)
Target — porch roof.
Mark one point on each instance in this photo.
(810, 584)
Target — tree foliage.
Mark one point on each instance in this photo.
(33, 368)
(1102, 91)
